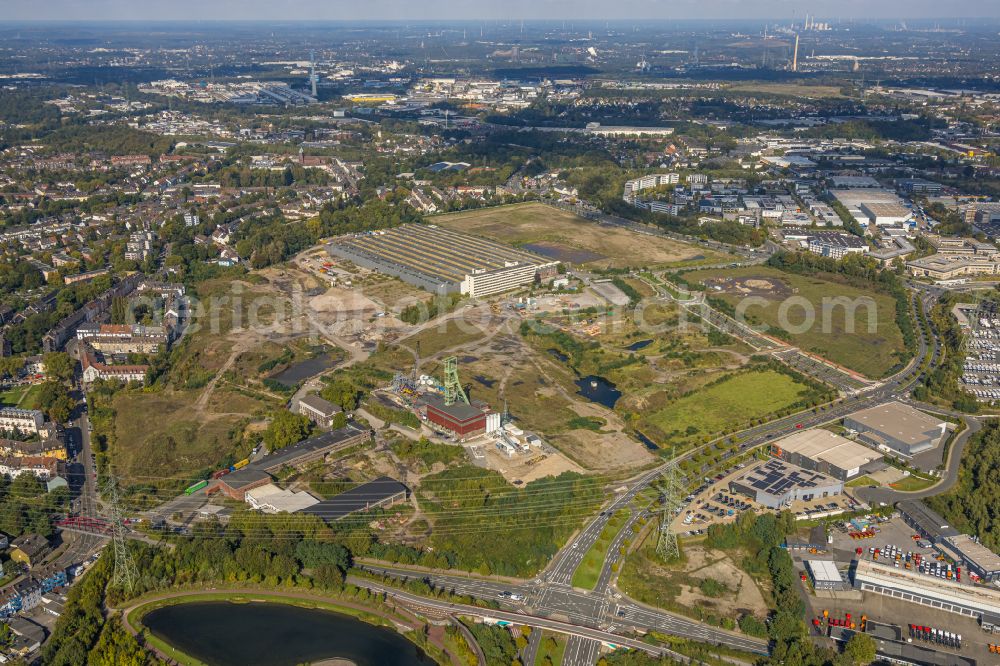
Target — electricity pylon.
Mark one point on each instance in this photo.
(666, 546)
(125, 571)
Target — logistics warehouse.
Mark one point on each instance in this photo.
(828, 453)
(981, 602)
(443, 261)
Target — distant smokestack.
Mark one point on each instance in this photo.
(312, 73)
(795, 56)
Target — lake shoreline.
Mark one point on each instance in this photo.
(400, 621)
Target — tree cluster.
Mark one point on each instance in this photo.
(285, 428)
(26, 506)
(527, 525)
(971, 505)
(760, 538)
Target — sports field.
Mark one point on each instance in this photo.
(730, 403)
(842, 335)
(563, 236)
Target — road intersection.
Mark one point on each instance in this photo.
(604, 609)
(604, 615)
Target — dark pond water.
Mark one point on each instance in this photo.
(642, 344)
(488, 383)
(298, 372)
(650, 444)
(598, 389)
(561, 253)
(558, 355)
(258, 634)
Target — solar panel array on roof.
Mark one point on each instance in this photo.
(776, 477)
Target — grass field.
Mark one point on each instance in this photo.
(13, 396)
(873, 350)
(25, 397)
(30, 399)
(203, 352)
(912, 484)
(729, 403)
(641, 287)
(160, 441)
(590, 567)
(862, 482)
(568, 237)
(197, 413)
(553, 646)
(440, 337)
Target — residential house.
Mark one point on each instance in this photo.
(29, 549)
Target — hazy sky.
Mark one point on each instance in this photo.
(76, 10)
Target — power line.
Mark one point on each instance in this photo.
(666, 546)
(124, 572)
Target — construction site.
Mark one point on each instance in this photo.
(443, 261)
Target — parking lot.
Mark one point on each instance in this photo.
(823, 507)
(717, 508)
(822, 371)
(713, 502)
(896, 545)
(890, 611)
(981, 373)
(881, 533)
(710, 503)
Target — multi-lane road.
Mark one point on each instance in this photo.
(604, 615)
(586, 633)
(581, 651)
(606, 611)
(81, 545)
(551, 595)
(602, 610)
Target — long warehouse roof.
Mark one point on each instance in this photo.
(975, 552)
(927, 520)
(900, 422)
(982, 597)
(443, 253)
(829, 447)
(359, 498)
